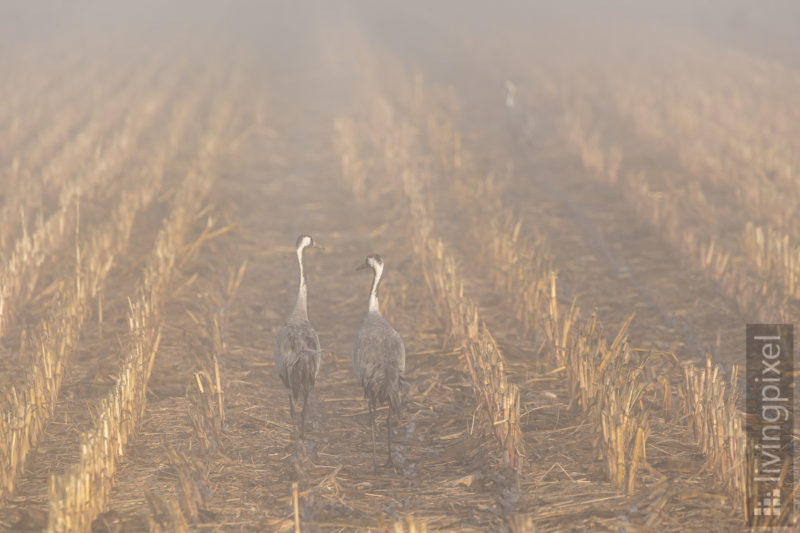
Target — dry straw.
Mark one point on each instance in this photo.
(18, 274)
(605, 383)
(26, 410)
(205, 391)
(518, 268)
(206, 405)
(710, 406)
(409, 525)
(744, 152)
(77, 496)
(81, 493)
(464, 327)
(758, 264)
(484, 359)
(59, 152)
(747, 270)
(604, 380)
(760, 272)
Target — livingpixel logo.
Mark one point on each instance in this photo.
(770, 421)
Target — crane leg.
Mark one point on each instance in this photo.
(291, 411)
(303, 415)
(372, 427)
(389, 461)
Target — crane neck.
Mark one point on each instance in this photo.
(373, 293)
(301, 305)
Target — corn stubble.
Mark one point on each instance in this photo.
(412, 141)
(460, 317)
(81, 493)
(711, 407)
(65, 142)
(25, 411)
(761, 266)
(604, 380)
(19, 273)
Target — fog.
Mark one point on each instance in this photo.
(769, 28)
(580, 206)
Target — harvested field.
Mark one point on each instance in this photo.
(578, 216)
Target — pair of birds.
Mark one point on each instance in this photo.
(379, 356)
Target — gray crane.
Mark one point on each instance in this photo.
(379, 358)
(297, 351)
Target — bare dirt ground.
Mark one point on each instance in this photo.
(316, 121)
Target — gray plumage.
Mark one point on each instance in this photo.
(297, 350)
(379, 358)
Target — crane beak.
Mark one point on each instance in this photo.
(362, 266)
(317, 246)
